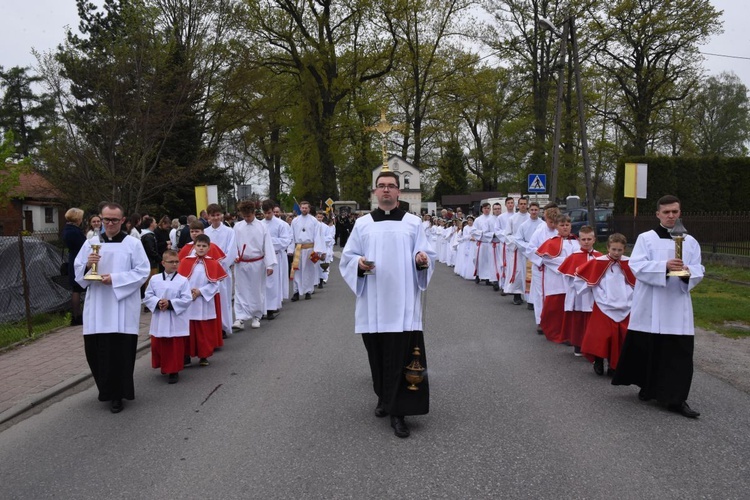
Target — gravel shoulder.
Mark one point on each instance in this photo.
(725, 358)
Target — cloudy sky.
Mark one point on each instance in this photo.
(40, 24)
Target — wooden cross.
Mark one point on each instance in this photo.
(384, 128)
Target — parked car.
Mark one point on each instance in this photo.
(579, 218)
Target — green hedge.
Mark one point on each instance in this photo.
(711, 184)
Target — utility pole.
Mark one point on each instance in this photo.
(569, 26)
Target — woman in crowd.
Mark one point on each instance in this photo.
(94, 226)
(74, 238)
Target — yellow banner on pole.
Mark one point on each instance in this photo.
(635, 180)
(201, 199)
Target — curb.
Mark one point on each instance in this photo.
(50, 393)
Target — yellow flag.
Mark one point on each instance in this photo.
(201, 199)
(635, 180)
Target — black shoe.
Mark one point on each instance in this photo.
(400, 429)
(380, 411)
(539, 331)
(517, 300)
(502, 293)
(529, 306)
(186, 361)
(496, 287)
(224, 335)
(610, 372)
(308, 296)
(76, 321)
(270, 315)
(320, 283)
(684, 410)
(295, 297)
(487, 282)
(173, 378)
(599, 366)
(476, 279)
(116, 406)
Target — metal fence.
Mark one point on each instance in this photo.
(33, 292)
(718, 232)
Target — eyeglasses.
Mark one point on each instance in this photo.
(387, 186)
(107, 220)
(171, 261)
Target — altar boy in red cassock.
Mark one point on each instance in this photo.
(612, 282)
(168, 297)
(553, 252)
(204, 274)
(216, 253)
(578, 306)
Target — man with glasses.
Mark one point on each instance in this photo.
(111, 313)
(391, 244)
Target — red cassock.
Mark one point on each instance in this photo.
(604, 336)
(574, 323)
(205, 335)
(168, 353)
(553, 311)
(216, 253)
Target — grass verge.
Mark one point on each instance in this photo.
(11, 333)
(721, 302)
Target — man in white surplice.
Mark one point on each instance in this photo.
(281, 238)
(256, 261)
(658, 350)
(222, 236)
(111, 313)
(392, 244)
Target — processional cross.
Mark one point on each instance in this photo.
(384, 128)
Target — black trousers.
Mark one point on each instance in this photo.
(389, 354)
(111, 357)
(662, 365)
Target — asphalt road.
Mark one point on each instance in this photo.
(286, 412)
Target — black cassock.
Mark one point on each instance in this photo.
(389, 354)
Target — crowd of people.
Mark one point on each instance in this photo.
(205, 277)
(630, 312)
(202, 278)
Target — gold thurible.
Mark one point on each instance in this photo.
(414, 372)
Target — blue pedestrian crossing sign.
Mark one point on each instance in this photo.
(537, 183)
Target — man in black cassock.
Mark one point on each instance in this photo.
(657, 354)
(393, 245)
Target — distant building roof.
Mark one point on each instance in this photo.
(33, 185)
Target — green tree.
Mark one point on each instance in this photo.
(451, 172)
(127, 102)
(648, 47)
(23, 112)
(722, 116)
(11, 169)
(330, 48)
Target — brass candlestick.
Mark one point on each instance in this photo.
(93, 275)
(678, 233)
(414, 373)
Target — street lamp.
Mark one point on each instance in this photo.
(570, 25)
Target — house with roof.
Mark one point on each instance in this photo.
(33, 206)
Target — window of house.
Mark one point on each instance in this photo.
(49, 215)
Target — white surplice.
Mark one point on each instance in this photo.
(114, 308)
(662, 304)
(253, 242)
(171, 322)
(223, 237)
(390, 299)
(277, 285)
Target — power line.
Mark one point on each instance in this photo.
(724, 55)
